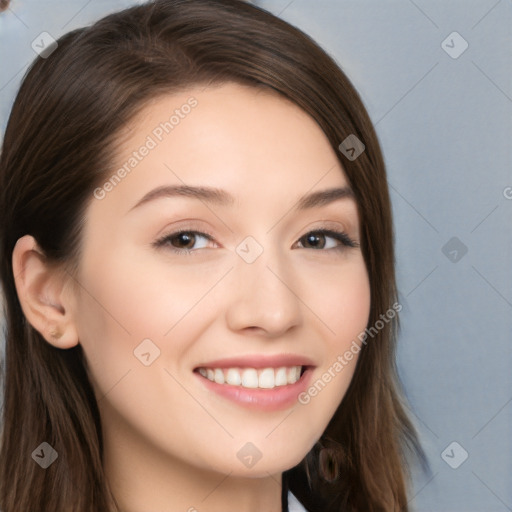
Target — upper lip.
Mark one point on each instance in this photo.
(259, 361)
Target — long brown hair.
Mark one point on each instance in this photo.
(58, 147)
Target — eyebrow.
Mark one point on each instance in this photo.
(223, 198)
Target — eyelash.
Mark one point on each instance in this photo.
(340, 236)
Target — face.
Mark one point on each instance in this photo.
(213, 293)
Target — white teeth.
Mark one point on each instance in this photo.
(219, 376)
(250, 378)
(233, 377)
(281, 379)
(293, 373)
(265, 378)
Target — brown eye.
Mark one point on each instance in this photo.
(184, 240)
(319, 239)
(315, 240)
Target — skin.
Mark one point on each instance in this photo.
(170, 444)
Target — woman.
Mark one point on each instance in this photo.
(198, 268)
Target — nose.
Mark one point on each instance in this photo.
(263, 296)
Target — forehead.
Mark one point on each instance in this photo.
(249, 141)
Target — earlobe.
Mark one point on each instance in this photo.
(40, 287)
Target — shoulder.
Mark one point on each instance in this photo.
(294, 505)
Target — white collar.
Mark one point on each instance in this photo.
(294, 505)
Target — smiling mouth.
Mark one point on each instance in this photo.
(252, 378)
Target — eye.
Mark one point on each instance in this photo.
(185, 241)
(318, 239)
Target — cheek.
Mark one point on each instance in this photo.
(135, 299)
(127, 301)
(347, 307)
(339, 296)
(342, 303)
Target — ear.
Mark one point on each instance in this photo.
(45, 294)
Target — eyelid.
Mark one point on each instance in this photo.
(331, 226)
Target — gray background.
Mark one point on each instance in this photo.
(445, 125)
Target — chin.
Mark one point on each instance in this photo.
(268, 461)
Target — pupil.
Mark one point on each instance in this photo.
(314, 240)
(186, 238)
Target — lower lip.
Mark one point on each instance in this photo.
(275, 399)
